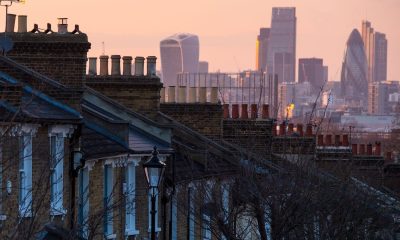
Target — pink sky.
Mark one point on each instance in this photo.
(227, 28)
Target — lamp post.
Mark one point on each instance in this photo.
(154, 171)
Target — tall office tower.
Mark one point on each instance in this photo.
(281, 49)
(367, 33)
(380, 57)
(377, 98)
(312, 70)
(179, 53)
(375, 45)
(261, 49)
(286, 96)
(354, 84)
(203, 67)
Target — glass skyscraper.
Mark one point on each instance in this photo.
(354, 83)
(179, 53)
(281, 57)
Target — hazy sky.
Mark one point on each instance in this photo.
(227, 28)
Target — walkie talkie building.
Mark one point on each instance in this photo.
(179, 53)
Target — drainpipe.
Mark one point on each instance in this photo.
(74, 142)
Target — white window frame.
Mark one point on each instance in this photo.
(56, 178)
(25, 176)
(83, 215)
(58, 133)
(130, 193)
(108, 202)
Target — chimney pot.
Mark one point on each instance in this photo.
(10, 22)
(103, 65)
(151, 66)
(354, 149)
(92, 66)
(290, 128)
(171, 94)
(265, 111)
(345, 140)
(214, 95)
(192, 94)
(139, 67)
(162, 93)
(115, 65)
(127, 65)
(320, 140)
(282, 129)
(182, 94)
(274, 130)
(202, 94)
(362, 149)
(377, 148)
(244, 113)
(300, 129)
(328, 140)
(226, 111)
(235, 111)
(337, 140)
(254, 111)
(62, 25)
(369, 149)
(22, 23)
(309, 132)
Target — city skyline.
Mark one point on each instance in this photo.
(228, 43)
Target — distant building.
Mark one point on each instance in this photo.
(311, 70)
(203, 67)
(326, 72)
(281, 49)
(354, 84)
(286, 95)
(394, 97)
(261, 49)
(179, 53)
(380, 57)
(377, 98)
(375, 46)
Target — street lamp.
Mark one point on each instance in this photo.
(154, 171)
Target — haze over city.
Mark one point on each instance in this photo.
(227, 30)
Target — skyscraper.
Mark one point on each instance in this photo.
(380, 57)
(281, 49)
(375, 46)
(312, 70)
(354, 84)
(261, 49)
(179, 53)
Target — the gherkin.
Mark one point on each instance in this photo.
(354, 84)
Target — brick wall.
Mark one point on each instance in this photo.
(61, 57)
(138, 93)
(253, 135)
(24, 229)
(205, 118)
